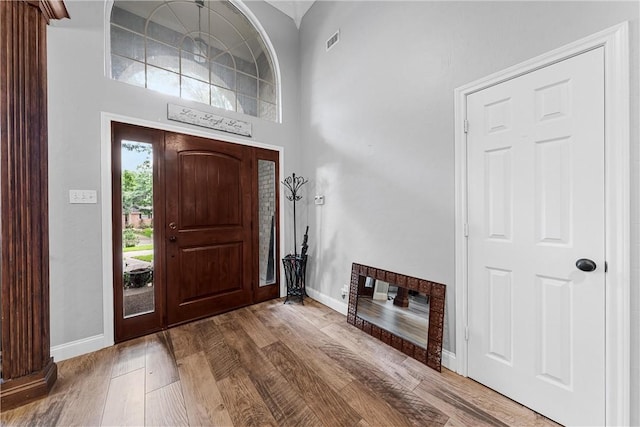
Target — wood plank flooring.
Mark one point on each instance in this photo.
(268, 364)
(398, 320)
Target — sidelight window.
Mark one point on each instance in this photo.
(137, 228)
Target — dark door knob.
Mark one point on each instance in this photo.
(585, 264)
(172, 238)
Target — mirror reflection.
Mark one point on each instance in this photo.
(401, 311)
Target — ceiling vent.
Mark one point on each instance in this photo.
(333, 40)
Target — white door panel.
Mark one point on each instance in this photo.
(536, 205)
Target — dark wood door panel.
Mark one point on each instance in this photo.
(210, 271)
(209, 189)
(209, 213)
(211, 282)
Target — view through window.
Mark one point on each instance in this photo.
(201, 50)
(137, 228)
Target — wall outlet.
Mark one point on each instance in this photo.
(83, 196)
(345, 291)
(319, 200)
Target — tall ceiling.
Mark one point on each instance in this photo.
(293, 8)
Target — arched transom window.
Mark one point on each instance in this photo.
(201, 50)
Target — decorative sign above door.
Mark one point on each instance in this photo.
(182, 114)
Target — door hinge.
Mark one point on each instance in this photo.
(606, 266)
(466, 229)
(466, 126)
(466, 333)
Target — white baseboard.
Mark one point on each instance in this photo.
(78, 347)
(449, 360)
(337, 305)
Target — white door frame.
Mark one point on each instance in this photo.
(615, 41)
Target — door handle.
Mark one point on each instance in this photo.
(172, 238)
(173, 225)
(585, 264)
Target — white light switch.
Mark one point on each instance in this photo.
(319, 200)
(83, 196)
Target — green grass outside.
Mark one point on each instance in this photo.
(147, 258)
(138, 248)
(146, 232)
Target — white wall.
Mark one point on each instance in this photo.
(370, 122)
(378, 127)
(78, 93)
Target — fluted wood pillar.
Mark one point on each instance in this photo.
(402, 298)
(28, 371)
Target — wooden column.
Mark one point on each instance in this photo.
(28, 371)
(402, 298)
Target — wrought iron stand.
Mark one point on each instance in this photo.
(295, 266)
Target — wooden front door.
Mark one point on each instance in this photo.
(208, 231)
(208, 240)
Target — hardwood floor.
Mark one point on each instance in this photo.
(268, 364)
(412, 325)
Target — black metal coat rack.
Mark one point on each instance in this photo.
(295, 265)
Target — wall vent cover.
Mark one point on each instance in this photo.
(333, 40)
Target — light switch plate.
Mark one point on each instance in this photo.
(319, 200)
(83, 196)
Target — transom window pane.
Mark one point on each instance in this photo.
(247, 85)
(202, 50)
(223, 76)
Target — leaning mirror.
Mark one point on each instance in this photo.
(402, 311)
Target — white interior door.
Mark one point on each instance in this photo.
(535, 207)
